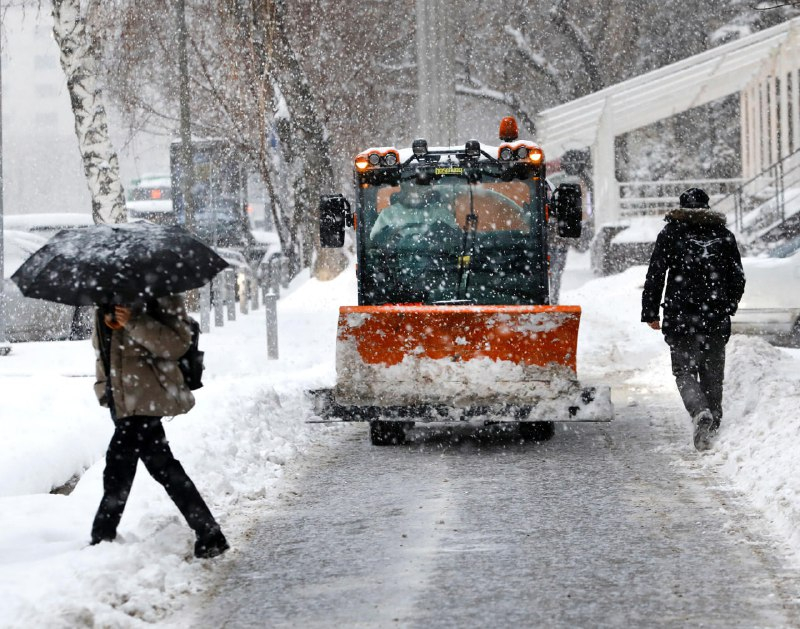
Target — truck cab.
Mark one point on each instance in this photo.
(454, 319)
(452, 225)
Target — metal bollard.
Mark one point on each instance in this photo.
(244, 300)
(285, 279)
(230, 293)
(253, 287)
(205, 308)
(275, 266)
(218, 301)
(271, 307)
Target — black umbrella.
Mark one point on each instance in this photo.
(126, 263)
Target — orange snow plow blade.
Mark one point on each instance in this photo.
(460, 356)
(527, 335)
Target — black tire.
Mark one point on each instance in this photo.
(388, 433)
(537, 431)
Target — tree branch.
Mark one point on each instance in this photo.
(580, 42)
(538, 62)
(503, 98)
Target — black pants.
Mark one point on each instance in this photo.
(698, 364)
(140, 437)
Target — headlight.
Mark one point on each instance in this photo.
(535, 156)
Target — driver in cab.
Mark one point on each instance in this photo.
(415, 211)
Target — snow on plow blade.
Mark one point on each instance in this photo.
(465, 357)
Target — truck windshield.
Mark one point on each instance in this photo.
(450, 241)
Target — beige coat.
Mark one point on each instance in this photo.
(145, 377)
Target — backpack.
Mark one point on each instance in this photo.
(191, 363)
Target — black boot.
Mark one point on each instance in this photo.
(104, 527)
(210, 544)
(704, 429)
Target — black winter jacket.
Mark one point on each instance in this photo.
(703, 269)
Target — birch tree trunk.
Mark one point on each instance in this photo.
(100, 163)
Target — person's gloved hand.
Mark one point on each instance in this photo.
(119, 319)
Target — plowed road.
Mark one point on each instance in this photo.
(615, 525)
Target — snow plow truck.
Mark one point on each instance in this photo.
(454, 321)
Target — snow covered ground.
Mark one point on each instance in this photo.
(251, 418)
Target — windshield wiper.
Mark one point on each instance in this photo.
(454, 302)
(465, 259)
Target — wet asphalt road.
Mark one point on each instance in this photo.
(612, 525)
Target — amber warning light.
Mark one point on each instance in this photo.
(509, 131)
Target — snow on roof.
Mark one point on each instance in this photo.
(38, 222)
(161, 181)
(17, 247)
(662, 93)
(150, 205)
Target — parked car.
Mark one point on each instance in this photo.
(771, 302)
(272, 271)
(244, 272)
(150, 199)
(47, 224)
(223, 224)
(28, 319)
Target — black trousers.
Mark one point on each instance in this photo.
(141, 437)
(698, 364)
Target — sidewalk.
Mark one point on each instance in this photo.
(248, 421)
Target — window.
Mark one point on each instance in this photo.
(449, 240)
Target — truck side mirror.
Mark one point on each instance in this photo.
(334, 215)
(568, 210)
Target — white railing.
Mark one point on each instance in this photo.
(648, 198)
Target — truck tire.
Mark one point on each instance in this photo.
(388, 433)
(537, 431)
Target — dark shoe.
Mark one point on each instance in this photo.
(102, 534)
(704, 429)
(210, 545)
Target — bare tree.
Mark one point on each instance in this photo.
(247, 85)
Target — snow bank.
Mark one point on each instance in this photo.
(613, 344)
(759, 443)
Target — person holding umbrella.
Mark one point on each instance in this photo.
(134, 274)
(139, 380)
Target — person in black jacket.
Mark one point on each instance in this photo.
(700, 260)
